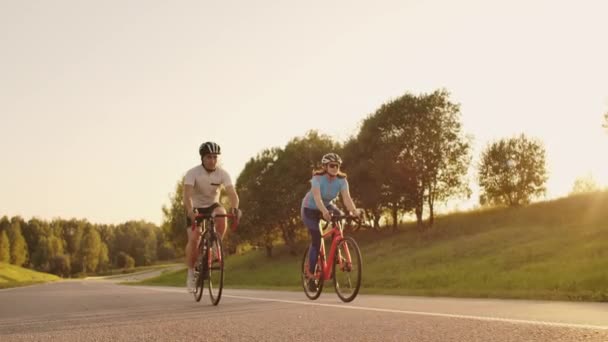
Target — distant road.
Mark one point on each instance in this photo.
(100, 310)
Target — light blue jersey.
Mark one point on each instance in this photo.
(330, 189)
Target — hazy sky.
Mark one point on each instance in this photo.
(103, 104)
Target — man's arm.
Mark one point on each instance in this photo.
(188, 189)
(232, 196)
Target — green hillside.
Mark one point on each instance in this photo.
(12, 276)
(550, 250)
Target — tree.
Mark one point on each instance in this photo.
(366, 181)
(174, 219)
(144, 245)
(5, 247)
(257, 201)
(91, 248)
(60, 265)
(584, 184)
(272, 186)
(18, 254)
(605, 125)
(125, 261)
(512, 171)
(33, 231)
(448, 154)
(290, 181)
(417, 144)
(164, 248)
(103, 263)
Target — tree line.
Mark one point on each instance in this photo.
(75, 247)
(410, 155)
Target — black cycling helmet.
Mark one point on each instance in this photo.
(331, 158)
(209, 147)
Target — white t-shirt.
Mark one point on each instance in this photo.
(207, 185)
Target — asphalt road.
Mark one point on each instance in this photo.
(101, 310)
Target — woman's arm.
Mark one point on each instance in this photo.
(316, 194)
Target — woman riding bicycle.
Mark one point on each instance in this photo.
(326, 184)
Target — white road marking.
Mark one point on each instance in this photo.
(420, 313)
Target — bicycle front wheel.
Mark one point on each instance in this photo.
(347, 269)
(198, 281)
(216, 270)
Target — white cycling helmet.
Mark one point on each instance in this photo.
(331, 158)
(208, 148)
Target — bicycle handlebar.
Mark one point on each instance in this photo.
(199, 217)
(335, 218)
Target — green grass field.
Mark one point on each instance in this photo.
(13, 276)
(549, 250)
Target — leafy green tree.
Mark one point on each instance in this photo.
(33, 231)
(60, 265)
(103, 263)
(272, 186)
(164, 248)
(107, 234)
(5, 223)
(258, 225)
(72, 232)
(174, 219)
(125, 261)
(512, 171)
(5, 247)
(144, 245)
(418, 144)
(585, 184)
(365, 179)
(447, 153)
(41, 256)
(91, 249)
(18, 253)
(291, 174)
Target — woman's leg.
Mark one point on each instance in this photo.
(311, 221)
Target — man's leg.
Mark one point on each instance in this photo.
(191, 251)
(191, 255)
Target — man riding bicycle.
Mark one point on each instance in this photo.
(202, 185)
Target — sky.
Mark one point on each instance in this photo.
(103, 104)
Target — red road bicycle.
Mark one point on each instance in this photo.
(209, 265)
(343, 264)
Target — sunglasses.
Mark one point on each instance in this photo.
(333, 166)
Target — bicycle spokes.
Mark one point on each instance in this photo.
(347, 271)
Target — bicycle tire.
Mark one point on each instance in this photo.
(198, 281)
(215, 280)
(347, 273)
(304, 280)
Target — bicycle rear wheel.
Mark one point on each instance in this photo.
(347, 270)
(312, 287)
(216, 270)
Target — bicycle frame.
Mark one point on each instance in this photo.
(207, 220)
(337, 233)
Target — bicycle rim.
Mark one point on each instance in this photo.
(347, 269)
(318, 282)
